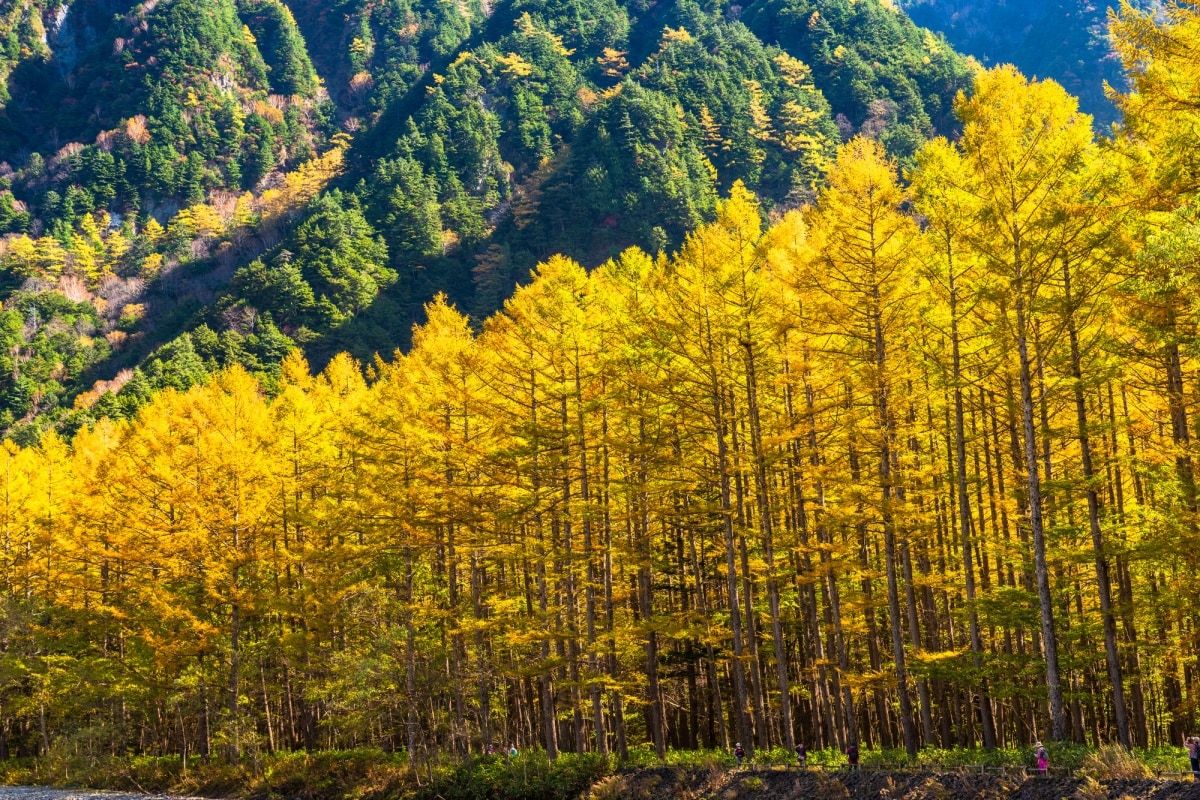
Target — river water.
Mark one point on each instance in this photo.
(40, 793)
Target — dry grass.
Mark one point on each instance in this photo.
(1090, 789)
(930, 789)
(1113, 763)
(611, 788)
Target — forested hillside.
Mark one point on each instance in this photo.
(189, 185)
(911, 464)
(1066, 40)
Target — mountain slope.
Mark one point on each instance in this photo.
(1066, 40)
(173, 170)
(139, 105)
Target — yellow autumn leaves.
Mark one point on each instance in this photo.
(771, 462)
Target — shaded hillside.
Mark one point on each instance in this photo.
(1066, 40)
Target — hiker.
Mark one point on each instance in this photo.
(739, 753)
(1043, 758)
(802, 755)
(1192, 743)
(512, 751)
(852, 757)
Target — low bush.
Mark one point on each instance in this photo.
(530, 776)
(700, 759)
(377, 775)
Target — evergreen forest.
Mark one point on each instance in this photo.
(212, 183)
(590, 376)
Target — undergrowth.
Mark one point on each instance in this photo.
(377, 775)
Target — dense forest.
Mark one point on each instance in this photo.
(213, 182)
(1066, 40)
(911, 464)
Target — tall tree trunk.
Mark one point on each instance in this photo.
(410, 663)
(731, 568)
(615, 699)
(1058, 719)
(1103, 582)
(483, 659)
(1177, 405)
(766, 523)
(914, 630)
(568, 528)
(645, 597)
(585, 493)
(841, 687)
(888, 480)
(964, 520)
(235, 653)
(545, 679)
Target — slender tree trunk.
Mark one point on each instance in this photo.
(568, 529)
(483, 659)
(964, 520)
(888, 480)
(1139, 733)
(1103, 582)
(645, 596)
(1180, 434)
(1058, 720)
(262, 674)
(735, 620)
(410, 665)
(825, 725)
(615, 699)
(841, 687)
(545, 679)
(235, 631)
(590, 559)
(914, 629)
(766, 523)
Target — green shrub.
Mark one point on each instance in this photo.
(700, 759)
(531, 776)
